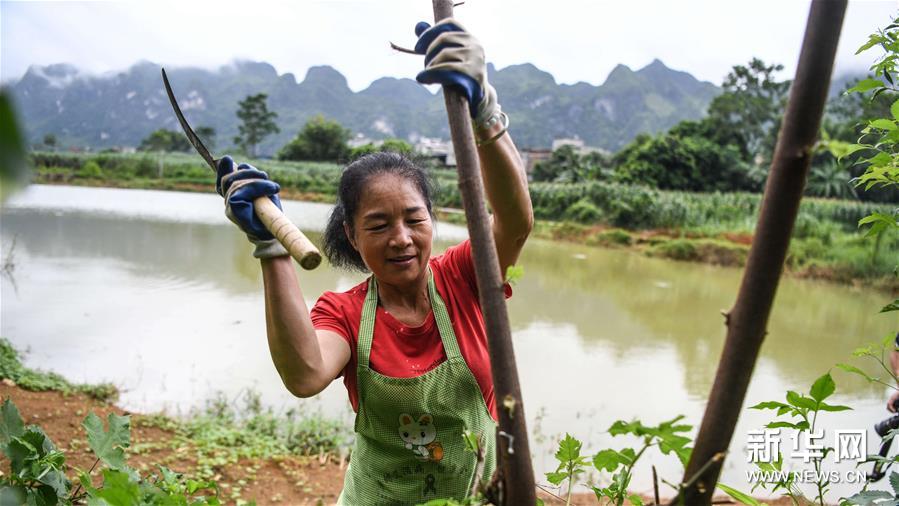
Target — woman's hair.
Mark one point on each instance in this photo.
(353, 182)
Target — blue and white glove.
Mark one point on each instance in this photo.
(453, 57)
(240, 186)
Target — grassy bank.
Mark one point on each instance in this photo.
(703, 227)
(248, 451)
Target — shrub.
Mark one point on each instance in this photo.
(90, 170)
(583, 211)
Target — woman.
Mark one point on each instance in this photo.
(410, 341)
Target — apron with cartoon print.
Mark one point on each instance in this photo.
(409, 446)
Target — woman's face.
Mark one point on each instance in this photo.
(392, 230)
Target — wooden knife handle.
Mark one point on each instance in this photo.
(297, 244)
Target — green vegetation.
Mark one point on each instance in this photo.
(11, 368)
(223, 434)
(395, 145)
(38, 469)
(320, 140)
(256, 122)
(219, 436)
(165, 140)
(877, 147)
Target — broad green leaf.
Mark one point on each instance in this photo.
(683, 454)
(873, 40)
(883, 124)
(13, 494)
(118, 489)
(57, 481)
(514, 273)
(800, 401)
(621, 427)
(556, 478)
(109, 446)
(607, 460)
(894, 482)
(11, 424)
(823, 388)
(892, 306)
(739, 496)
(894, 109)
(635, 500)
(850, 149)
(569, 449)
(628, 455)
(855, 370)
(769, 405)
(833, 407)
(540, 502)
(865, 85)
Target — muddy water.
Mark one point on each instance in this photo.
(157, 293)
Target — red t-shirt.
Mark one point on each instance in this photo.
(401, 351)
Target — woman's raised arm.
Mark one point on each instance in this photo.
(307, 360)
(453, 57)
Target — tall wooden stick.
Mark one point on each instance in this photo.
(513, 453)
(747, 321)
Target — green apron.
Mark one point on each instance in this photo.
(409, 446)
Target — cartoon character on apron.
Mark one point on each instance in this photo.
(409, 446)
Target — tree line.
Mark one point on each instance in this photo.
(729, 150)
(320, 139)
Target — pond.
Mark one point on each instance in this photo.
(158, 293)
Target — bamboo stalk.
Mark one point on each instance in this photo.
(513, 453)
(747, 321)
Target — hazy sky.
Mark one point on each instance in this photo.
(575, 40)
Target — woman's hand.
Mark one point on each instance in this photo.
(454, 57)
(240, 186)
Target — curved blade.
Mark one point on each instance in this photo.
(191, 136)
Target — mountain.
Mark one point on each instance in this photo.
(122, 108)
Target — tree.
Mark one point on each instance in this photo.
(671, 162)
(397, 146)
(320, 140)
(206, 135)
(50, 142)
(749, 112)
(831, 180)
(566, 165)
(257, 122)
(165, 140)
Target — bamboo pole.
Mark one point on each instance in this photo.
(747, 321)
(513, 454)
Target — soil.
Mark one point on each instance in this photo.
(290, 480)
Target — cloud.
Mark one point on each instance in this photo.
(575, 40)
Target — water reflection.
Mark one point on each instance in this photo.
(630, 303)
(158, 293)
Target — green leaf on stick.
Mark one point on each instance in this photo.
(109, 445)
(865, 85)
(823, 388)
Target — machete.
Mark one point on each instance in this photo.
(296, 243)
